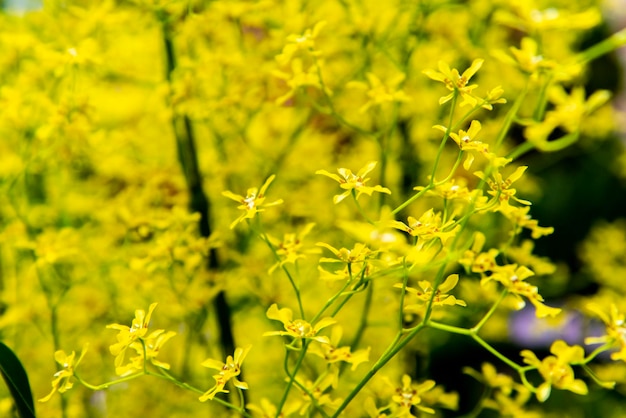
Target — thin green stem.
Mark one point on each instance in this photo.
(412, 199)
(367, 305)
(495, 352)
(360, 209)
(613, 42)
(390, 353)
(333, 298)
(449, 328)
(446, 135)
(510, 117)
(596, 352)
(491, 311)
(291, 375)
(258, 229)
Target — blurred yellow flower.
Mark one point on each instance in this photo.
(379, 93)
(227, 371)
(456, 82)
(63, 378)
(128, 335)
(299, 328)
(253, 202)
(349, 181)
(556, 370)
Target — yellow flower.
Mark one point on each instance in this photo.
(291, 248)
(63, 378)
(520, 217)
(349, 182)
(298, 78)
(358, 254)
(452, 189)
(147, 350)
(319, 389)
(268, 410)
(409, 395)
(501, 189)
(424, 293)
(513, 278)
(253, 202)
(456, 82)
(128, 335)
(304, 42)
(527, 16)
(556, 370)
(299, 328)
(227, 371)
(570, 109)
(615, 330)
(379, 93)
(332, 353)
(427, 227)
(466, 140)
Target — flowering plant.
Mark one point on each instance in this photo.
(130, 128)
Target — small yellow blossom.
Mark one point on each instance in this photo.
(349, 182)
(427, 227)
(527, 58)
(299, 328)
(319, 389)
(528, 16)
(425, 291)
(64, 378)
(520, 217)
(456, 82)
(494, 96)
(501, 188)
(292, 248)
(570, 109)
(358, 254)
(513, 279)
(266, 409)
(332, 353)
(253, 202)
(615, 330)
(148, 350)
(379, 93)
(556, 370)
(452, 189)
(298, 78)
(409, 395)
(304, 42)
(128, 335)
(466, 140)
(227, 371)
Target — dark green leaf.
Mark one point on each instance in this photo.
(17, 380)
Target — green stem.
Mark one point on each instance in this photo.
(510, 117)
(333, 298)
(491, 311)
(390, 353)
(449, 328)
(613, 42)
(446, 135)
(360, 209)
(364, 314)
(259, 230)
(292, 376)
(412, 199)
(495, 352)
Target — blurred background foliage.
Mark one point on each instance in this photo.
(94, 219)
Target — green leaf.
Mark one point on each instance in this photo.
(17, 380)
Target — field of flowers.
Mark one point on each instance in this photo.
(323, 208)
